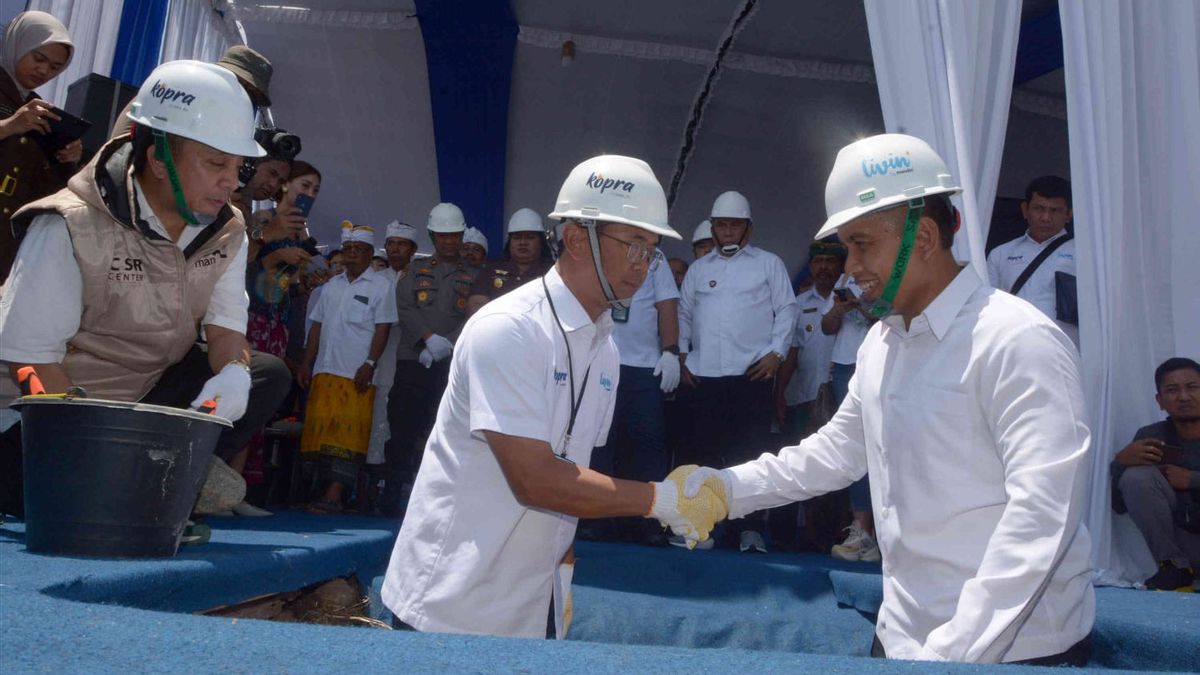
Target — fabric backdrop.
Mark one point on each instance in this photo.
(195, 31)
(945, 71)
(93, 27)
(1133, 106)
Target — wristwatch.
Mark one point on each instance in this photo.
(674, 349)
(778, 356)
(370, 362)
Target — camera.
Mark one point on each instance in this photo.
(278, 143)
(310, 246)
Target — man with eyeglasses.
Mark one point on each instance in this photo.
(486, 544)
(736, 316)
(647, 337)
(1039, 266)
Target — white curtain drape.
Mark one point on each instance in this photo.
(195, 31)
(93, 26)
(1133, 112)
(945, 71)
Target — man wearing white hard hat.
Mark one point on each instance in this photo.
(736, 316)
(526, 256)
(474, 247)
(702, 240)
(350, 326)
(486, 543)
(431, 303)
(118, 272)
(966, 412)
(399, 245)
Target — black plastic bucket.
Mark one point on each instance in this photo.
(111, 479)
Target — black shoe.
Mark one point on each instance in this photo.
(1171, 578)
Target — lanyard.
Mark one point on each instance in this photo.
(575, 403)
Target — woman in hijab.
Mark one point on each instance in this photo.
(35, 50)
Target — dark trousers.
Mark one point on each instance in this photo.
(177, 388)
(411, 408)
(1077, 656)
(269, 382)
(636, 447)
(732, 418)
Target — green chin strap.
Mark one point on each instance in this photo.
(162, 152)
(882, 306)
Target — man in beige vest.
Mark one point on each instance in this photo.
(117, 274)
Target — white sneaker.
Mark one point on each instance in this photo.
(681, 542)
(859, 545)
(250, 510)
(752, 541)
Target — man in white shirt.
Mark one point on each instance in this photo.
(736, 315)
(486, 543)
(967, 413)
(806, 367)
(1047, 211)
(400, 244)
(118, 272)
(647, 337)
(351, 324)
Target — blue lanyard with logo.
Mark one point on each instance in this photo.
(575, 403)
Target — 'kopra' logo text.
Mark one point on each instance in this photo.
(599, 182)
(166, 94)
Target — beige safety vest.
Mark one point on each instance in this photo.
(143, 298)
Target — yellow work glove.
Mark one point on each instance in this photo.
(692, 517)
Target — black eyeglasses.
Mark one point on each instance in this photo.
(635, 251)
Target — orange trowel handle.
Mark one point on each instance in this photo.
(31, 384)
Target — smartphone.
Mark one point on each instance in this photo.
(304, 203)
(843, 294)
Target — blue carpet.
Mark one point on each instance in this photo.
(637, 609)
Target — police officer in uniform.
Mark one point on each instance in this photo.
(431, 302)
(526, 256)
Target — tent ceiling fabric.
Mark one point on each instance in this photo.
(798, 85)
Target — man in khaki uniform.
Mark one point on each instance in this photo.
(431, 302)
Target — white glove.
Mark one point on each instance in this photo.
(668, 367)
(230, 388)
(439, 347)
(699, 477)
(425, 357)
(690, 517)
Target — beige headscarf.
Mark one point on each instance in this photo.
(25, 33)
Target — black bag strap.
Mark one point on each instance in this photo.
(1037, 262)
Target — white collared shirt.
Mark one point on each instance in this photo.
(43, 297)
(814, 349)
(735, 310)
(854, 326)
(469, 557)
(637, 339)
(348, 313)
(970, 425)
(1007, 261)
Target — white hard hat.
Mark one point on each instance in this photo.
(526, 220)
(473, 236)
(399, 230)
(200, 101)
(446, 218)
(703, 231)
(881, 171)
(615, 189)
(731, 204)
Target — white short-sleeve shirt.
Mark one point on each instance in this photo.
(469, 557)
(637, 339)
(1007, 261)
(348, 313)
(43, 297)
(814, 349)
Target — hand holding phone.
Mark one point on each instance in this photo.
(304, 204)
(843, 294)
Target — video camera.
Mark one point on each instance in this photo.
(278, 143)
